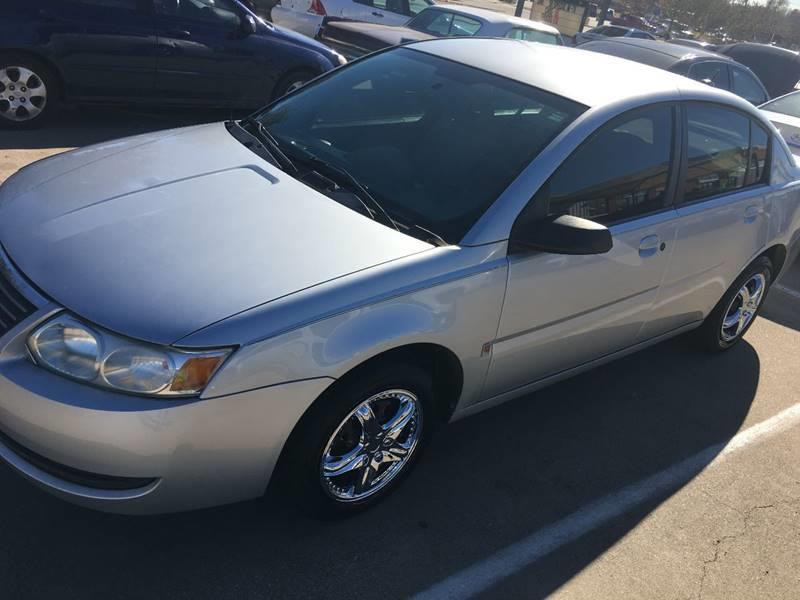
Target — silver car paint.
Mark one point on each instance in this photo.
(295, 346)
(185, 228)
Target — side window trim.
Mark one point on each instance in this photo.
(684, 166)
(673, 181)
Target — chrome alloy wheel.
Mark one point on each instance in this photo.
(23, 94)
(371, 445)
(743, 307)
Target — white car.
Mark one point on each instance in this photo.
(308, 16)
(784, 112)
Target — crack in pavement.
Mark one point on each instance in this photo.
(746, 517)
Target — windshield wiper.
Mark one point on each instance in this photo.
(339, 175)
(273, 146)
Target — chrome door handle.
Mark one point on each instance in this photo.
(649, 245)
(751, 212)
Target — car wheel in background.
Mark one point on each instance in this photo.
(359, 440)
(28, 92)
(291, 82)
(738, 308)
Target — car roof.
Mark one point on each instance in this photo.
(590, 78)
(762, 48)
(653, 52)
(491, 16)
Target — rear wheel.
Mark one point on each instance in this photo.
(738, 308)
(360, 440)
(291, 82)
(28, 92)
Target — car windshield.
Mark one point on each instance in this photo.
(786, 105)
(434, 141)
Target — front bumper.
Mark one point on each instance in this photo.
(157, 455)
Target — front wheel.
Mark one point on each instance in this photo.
(360, 440)
(738, 308)
(291, 82)
(28, 92)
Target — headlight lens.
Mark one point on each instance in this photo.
(70, 347)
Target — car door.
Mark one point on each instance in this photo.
(205, 55)
(385, 12)
(563, 311)
(105, 49)
(722, 222)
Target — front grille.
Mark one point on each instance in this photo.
(14, 307)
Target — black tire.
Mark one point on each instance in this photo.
(300, 472)
(290, 82)
(14, 116)
(710, 334)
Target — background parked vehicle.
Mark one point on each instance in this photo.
(690, 43)
(212, 53)
(308, 16)
(784, 112)
(777, 68)
(611, 31)
(713, 69)
(442, 20)
(632, 21)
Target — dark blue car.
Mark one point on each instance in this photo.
(213, 53)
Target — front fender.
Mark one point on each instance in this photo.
(461, 315)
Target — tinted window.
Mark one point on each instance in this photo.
(747, 87)
(435, 22)
(211, 11)
(642, 35)
(464, 26)
(619, 173)
(433, 140)
(416, 6)
(759, 153)
(788, 105)
(615, 32)
(718, 144)
(532, 35)
(712, 72)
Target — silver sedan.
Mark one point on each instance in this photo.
(306, 294)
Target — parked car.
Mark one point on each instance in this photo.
(611, 31)
(356, 39)
(693, 44)
(778, 68)
(160, 52)
(308, 16)
(784, 112)
(713, 69)
(632, 21)
(408, 240)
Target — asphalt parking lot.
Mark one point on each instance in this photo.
(667, 474)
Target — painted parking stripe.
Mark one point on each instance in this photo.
(481, 576)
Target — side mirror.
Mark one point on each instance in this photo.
(249, 26)
(563, 234)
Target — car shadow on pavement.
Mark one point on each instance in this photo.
(91, 125)
(485, 483)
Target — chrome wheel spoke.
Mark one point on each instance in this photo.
(743, 307)
(23, 94)
(338, 466)
(377, 447)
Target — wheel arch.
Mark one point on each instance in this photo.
(62, 87)
(777, 256)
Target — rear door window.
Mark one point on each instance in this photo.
(721, 156)
(712, 72)
(746, 86)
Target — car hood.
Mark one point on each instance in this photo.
(157, 236)
(386, 34)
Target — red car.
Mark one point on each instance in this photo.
(632, 21)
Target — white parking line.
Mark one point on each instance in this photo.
(789, 291)
(483, 575)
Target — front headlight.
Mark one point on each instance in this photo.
(70, 347)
